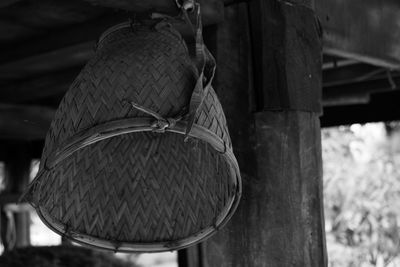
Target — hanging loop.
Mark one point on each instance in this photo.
(188, 5)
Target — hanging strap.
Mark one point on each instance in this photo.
(205, 66)
(204, 62)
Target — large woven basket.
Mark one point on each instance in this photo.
(114, 177)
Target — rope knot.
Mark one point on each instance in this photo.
(160, 124)
(188, 5)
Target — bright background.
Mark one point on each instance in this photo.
(362, 194)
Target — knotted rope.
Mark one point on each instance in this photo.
(205, 66)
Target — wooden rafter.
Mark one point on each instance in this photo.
(24, 122)
(365, 30)
(31, 90)
(74, 45)
(5, 3)
(211, 9)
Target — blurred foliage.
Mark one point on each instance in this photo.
(362, 194)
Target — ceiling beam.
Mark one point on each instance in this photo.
(350, 73)
(66, 57)
(211, 9)
(19, 122)
(364, 30)
(72, 47)
(5, 3)
(85, 32)
(31, 90)
(90, 31)
(382, 107)
(358, 92)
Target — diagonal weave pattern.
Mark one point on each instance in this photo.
(138, 187)
(163, 189)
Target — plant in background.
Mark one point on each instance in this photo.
(362, 194)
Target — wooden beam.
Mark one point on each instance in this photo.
(279, 221)
(380, 107)
(61, 38)
(24, 122)
(48, 85)
(211, 9)
(5, 3)
(365, 30)
(73, 46)
(277, 63)
(350, 73)
(63, 58)
(358, 92)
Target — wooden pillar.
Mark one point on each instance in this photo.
(191, 257)
(17, 169)
(271, 98)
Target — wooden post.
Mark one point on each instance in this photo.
(191, 257)
(273, 113)
(17, 170)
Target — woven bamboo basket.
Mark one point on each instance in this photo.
(116, 176)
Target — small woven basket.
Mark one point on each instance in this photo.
(116, 177)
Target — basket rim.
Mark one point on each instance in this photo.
(134, 125)
(153, 247)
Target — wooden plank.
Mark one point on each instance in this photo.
(279, 221)
(24, 122)
(365, 30)
(284, 78)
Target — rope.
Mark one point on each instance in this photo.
(161, 123)
(204, 61)
(205, 65)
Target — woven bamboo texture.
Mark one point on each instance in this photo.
(136, 188)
